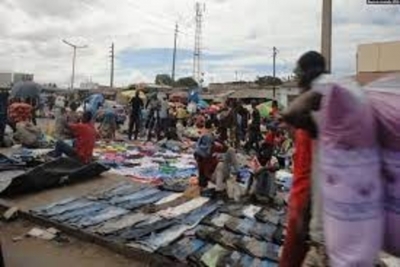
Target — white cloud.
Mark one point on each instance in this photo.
(32, 31)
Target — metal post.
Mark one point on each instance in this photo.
(112, 67)
(326, 33)
(74, 47)
(73, 69)
(274, 70)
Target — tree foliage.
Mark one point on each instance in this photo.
(268, 80)
(164, 79)
(186, 82)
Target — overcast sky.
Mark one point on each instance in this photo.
(238, 35)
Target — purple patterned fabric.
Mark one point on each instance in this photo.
(384, 96)
(350, 180)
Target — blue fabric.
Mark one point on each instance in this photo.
(199, 214)
(64, 207)
(183, 248)
(106, 214)
(150, 199)
(76, 214)
(92, 103)
(204, 146)
(134, 196)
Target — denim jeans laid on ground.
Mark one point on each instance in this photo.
(48, 208)
(197, 215)
(137, 203)
(270, 215)
(162, 239)
(134, 196)
(195, 257)
(213, 256)
(64, 207)
(183, 248)
(129, 220)
(122, 189)
(240, 226)
(259, 249)
(138, 231)
(79, 213)
(62, 148)
(107, 214)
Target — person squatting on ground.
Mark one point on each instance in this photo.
(264, 166)
(84, 142)
(214, 160)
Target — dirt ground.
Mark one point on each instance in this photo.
(34, 252)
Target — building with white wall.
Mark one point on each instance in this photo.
(376, 60)
(8, 78)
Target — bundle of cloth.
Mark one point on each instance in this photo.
(19, 111)
(350, 178)
(384, 96)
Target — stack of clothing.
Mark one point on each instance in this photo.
(19, 112)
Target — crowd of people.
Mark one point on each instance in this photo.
(290, 141)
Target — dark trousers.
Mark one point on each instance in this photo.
(254, 139)
(134, 126)
(223, 133)
(64, 148)
(163, 126)
(34, 117)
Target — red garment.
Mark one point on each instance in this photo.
(85, 135)
(270, 138)
(19, 112)
(295, 246)
(207, 166)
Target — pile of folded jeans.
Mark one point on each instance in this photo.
(197, 231)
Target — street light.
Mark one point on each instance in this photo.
(75, 47)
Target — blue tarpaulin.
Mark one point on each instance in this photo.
(93, 102)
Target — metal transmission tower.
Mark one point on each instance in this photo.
(112, 56)
(326, 36)
(197, 43)
(174, 53)
(74, 47)
(275, 52)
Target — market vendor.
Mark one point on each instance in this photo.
(214, 161)
(108, 125)
(85, 138)
(264, 166)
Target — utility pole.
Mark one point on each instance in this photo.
(75, 47)
(275, 52)
(236, 76)
(174, 53)
(326, 33)
(112, 56)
